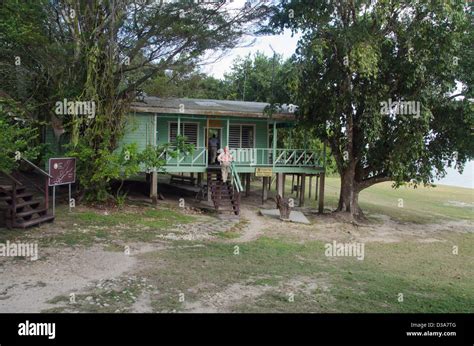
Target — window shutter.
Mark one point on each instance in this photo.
(247, 136)
(234, 136)
(191, 133)
(173, 132)
(189, 130)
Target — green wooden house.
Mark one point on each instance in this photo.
(249, 131)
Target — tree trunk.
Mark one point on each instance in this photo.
(349, 195)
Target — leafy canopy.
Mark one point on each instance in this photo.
(354, 56)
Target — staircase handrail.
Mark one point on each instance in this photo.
(236, 181)
(11, 177)
(37, 168)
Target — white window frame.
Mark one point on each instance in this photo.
(240, 135)
(155, 133)
(184, 122)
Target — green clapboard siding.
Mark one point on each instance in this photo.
(139, 129)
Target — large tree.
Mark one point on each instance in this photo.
(178, 83)
(259, 78)
(108, 49)
(357, 59)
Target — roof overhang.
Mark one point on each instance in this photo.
(216, 113)
(211, 108)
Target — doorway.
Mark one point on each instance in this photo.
(217, 132)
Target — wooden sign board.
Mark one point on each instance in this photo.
(263, 171)
(62, 170)
(215, 123)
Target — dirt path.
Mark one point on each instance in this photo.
(254, 229)
(26, 286)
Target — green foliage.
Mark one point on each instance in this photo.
(354, 56)
(154, 158)
(104, 52)
(253, 78)
(18, 137)
(303, 136)
(184, 84)
(97, 169)
(260, 78)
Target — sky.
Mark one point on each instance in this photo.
(282, 44)
(285, 45)
(461, 180)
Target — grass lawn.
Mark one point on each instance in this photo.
(283, 268)
(429, 276)
(420, 205)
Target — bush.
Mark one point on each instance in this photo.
(17, 139)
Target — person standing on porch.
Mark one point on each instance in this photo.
(225, 158)
(213, 144)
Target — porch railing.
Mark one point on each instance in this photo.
(197, 158)
(279, 157)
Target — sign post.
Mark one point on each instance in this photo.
(62, 171)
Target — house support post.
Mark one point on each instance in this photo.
(227, 132)
(209, 182)
(310, 186)
(298, 176)
(264, 189)
(247, 184)
(199, 179)
(280, 184)
(179, 134)
(154, 187)
(274, 143)
(302, 189)
(316, 189)
(321, 193)
(208, 161)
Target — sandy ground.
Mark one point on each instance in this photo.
(27, 286)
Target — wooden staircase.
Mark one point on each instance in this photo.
(19, 205)
(224, 195)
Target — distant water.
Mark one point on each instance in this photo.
(453, 178)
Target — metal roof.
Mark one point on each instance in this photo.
(218, 108)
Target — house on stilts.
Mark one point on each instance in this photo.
(246, 128)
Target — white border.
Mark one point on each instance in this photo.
(61, 158)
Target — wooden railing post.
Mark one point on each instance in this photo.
(321, 194)
(46, 193)
(13, 213)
